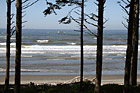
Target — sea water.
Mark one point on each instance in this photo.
(57, 52)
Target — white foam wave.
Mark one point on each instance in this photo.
(73, 50)
(30, 70)
(1, 69)
(70, 47)
(42, 41)
(36, 70)
(32, 52)
(60, 32)
(22, 70)
(62, 50)
(71, 43)
(4, 44)
(13, 38)
(95, 38)
(26, 56)
(114, 52)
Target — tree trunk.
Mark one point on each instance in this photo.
(82, 50)
(99, 47)
(129, 48)
(18, 45)
(8, 45)
(133, 69)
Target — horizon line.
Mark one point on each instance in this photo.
(60, 29)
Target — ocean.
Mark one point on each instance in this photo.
(57, 52)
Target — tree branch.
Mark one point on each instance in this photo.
(25, 1)
(83, 25)
(29, 4)
(124, 9)
(125, 25)
(90, 23)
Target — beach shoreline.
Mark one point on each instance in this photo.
(57, 79)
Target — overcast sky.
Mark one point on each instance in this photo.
(37, 20)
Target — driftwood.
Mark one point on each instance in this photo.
(77, 79)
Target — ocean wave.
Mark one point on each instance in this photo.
(71, 43)
(38, 70)
(41, 49)
(70, 50)
(22, 70)
(60, 32)
(42, 41)
(33, 52)
(95, 38)
(30, 70)
(26, 56)
(13, 38)
(3, 37)
(4, 44)
(114, 52)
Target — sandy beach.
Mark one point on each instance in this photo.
(55, 79)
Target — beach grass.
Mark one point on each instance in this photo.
(88, 87)
(64, 84)
(74, 88)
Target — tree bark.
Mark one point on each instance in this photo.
(99, 46)
(129, 48)
(8, 45)
(82, 49)
(18, 45)
(133, 68)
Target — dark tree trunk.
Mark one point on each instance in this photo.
(18, 45)
(129, 48)
(133, 69)
(8, 45)
(82, 52)
(99, 46)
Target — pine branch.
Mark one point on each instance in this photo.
(29, 4)
(83, 25)
(90, 23)
(105, 20)
(24, 22)
(25, 1)
(124, 9)
(125, 25)
(24, 15)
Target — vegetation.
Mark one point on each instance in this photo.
(88, 87)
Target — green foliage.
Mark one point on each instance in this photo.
(65, 20)
(112, 88)
(60, 88)
(52, 7)
(74, 88)
(134, 89)
(88, 87)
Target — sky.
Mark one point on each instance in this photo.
(37, 20)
